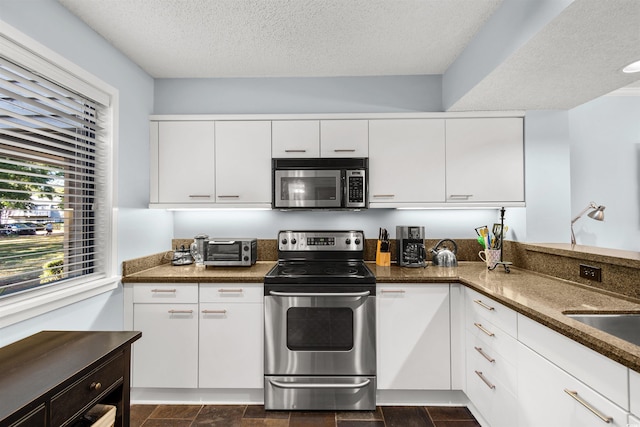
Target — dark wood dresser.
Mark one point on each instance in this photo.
(53, 377)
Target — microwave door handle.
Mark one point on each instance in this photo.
(221, 242)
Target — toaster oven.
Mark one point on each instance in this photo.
(230, 252)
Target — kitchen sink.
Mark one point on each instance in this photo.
(622, 325)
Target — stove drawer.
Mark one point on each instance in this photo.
(320, 393)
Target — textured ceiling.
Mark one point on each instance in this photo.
(577, 56)
(283, 38)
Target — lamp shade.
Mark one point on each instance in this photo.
(597, 214)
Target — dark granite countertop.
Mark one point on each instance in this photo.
(540, 297)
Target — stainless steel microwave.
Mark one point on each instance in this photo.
(230, 252)
(322, 183)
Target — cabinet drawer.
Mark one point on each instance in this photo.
(599, 372)
(497, 404)
(496, 339)
(485, 307)
(634, 392)
(481, 357)
(231, 292)
(165, 292)
(80, 395)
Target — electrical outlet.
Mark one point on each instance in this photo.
(591, 273)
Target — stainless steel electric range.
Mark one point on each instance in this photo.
(320, 324)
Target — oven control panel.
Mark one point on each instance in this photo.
(321, 241)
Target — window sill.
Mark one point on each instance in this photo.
(31, 304)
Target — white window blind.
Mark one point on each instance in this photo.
(53, 171)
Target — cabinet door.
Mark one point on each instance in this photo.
(344, 138)
(243, 162)
(295, 138)
(167, 353)
(406, 161)
(413, 337)
(186, 162)
(548, 396)
(634, 392)
(485, 160)
(231, 352)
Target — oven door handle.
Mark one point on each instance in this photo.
(319, 294)
(281, 384)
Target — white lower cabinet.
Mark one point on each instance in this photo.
(550, 397)
(413, 337)
(634, 393)
(633, 421)
(167, 353)
(231, 336)
(207, 336)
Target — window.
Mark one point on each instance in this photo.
(55, 173)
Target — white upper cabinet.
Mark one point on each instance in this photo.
(295, 138)
(406, 162)
(243, 162)
(344, 138)
(485, 160)
(184, 152)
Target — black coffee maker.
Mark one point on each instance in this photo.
(410, 246)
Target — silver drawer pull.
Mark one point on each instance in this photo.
(314, 385)
(164, 290)
(95, 386)
(392, 291)
(486, 381)
(234, 291)
(485, 355)
(180, 311)
(584, 403)
(319, 294)
(344, 150)
(384, 196)
(483, 329)
(214, 311)
(295, 151)
(483, 305)
(228, 196)
(202, 196)
(460, 196)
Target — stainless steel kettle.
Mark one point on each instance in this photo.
(445, 257)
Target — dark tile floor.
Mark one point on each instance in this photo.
(255, 415)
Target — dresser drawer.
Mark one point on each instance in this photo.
(485, 307)
(231, 292)
(83, 393)
(165, 293)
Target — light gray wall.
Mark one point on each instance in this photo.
(547, 176)
(605, 168)
(299, 95)
(140, 231)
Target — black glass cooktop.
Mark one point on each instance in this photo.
(320, 272)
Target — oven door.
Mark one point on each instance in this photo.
(315, 333)
(307, 188)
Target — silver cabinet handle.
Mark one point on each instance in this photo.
(214, 311)
(586, 404)
(327, 385)
(344, 150)
(180, 311)
(234, 291)
(295, 151)
(483, 305)
(483, 329)
(460, 196)
(485, 355)
(392, 291)
(384, 196)
(486, 381)
(319, 294)
(207, 196)
(164, 290)
(228, 196)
